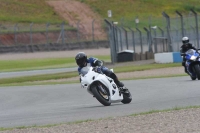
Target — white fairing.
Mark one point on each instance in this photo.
(88, 76)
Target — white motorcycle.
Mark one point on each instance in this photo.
(102, 87)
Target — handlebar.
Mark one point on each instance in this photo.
(96, 69)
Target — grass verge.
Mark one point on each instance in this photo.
(165, 110)
(46, 79)
(91, 120)
(132, 68)
(38, 64)
(38, 78)
(72, 82)
(49, 82)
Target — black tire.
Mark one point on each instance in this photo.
(193, 78)
(193, 70)
(127, 97)
(197, 70)
(97, 93)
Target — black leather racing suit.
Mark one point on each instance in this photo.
(185, 48)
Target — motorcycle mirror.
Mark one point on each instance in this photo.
(102, 62)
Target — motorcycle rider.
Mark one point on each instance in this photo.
(184, 48)
(82, 61)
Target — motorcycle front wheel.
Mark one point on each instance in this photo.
(193, 78)
(197, 71)
(101, 94)
(127, 97)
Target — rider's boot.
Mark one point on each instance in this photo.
(185, 69)
(120, 85)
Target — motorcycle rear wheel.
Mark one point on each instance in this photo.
(127, 97)
(100, 96)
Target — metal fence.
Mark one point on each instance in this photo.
(155, 35)
(47, 37)
(151, 34)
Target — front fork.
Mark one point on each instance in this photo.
(100, 87)
(190, 70)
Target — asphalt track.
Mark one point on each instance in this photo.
(53, 104)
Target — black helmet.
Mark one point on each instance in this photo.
(81, 59)
(185, 40)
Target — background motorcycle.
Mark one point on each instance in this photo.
(102, 87)
(192, 63)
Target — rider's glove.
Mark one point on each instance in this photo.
(98, 69)
(98, 63)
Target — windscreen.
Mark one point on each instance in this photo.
(190, 51)
(84, 70)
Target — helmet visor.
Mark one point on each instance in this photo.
(185, 41)
(80, 62)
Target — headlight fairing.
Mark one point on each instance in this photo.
(193, 57)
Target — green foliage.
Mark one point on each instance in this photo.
(133, 8)
(27, 11)
(188, 7)
(125, 11)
